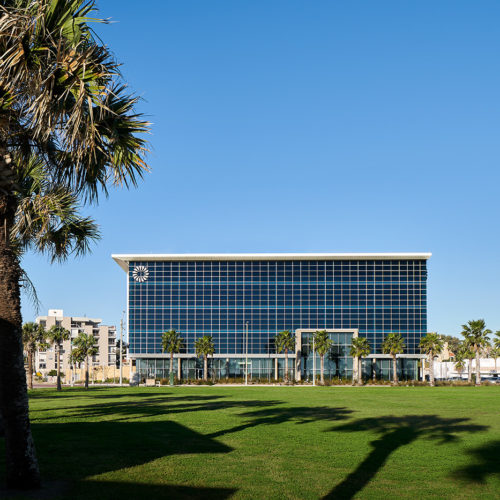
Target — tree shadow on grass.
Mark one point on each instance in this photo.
(151, 407)
(486, 464)
(299, 415)
(395, 432)
(79, 451)
(70, 392)
(139, 401)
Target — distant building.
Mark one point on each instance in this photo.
(244, 300)
(105, 336)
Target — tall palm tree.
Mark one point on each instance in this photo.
(56, 335)
(33, 340)
(360, 349)
(84, 347)
(476, 336)
(62, 101)
(204, 346)
(394, 344)
(431, 345)
(285, 341)
(172, 342)
(322, 344)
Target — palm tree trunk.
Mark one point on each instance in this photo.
(431, 369)
(30, 369)
(394, 370)
(58, 347)
(478, 368)
(21, 463)
(322, 368)
(87, 372)
(286, 365)
(171, 362)
(205, 367)
(469, 372)
(360, 365)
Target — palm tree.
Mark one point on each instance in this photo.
(459, 362)
(172, 342)
(463, 353)
(204, 347)
(495, 354)
(61, 101)
(56, 335)
(476, 336)
(496, 351)
(33, 340)
(431, 345)
(84, 347)
(360, 348)
(285, 341)
(394, 344)
(322, 344)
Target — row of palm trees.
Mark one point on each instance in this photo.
(172, 342)
(37, 338)
(475, 344)
(476, 341)
(393, 344)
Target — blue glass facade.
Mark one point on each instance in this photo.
(218, 297)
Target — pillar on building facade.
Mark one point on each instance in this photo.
(179, 368)
(276, 373)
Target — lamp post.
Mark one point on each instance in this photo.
(246, 355)
(314, 363)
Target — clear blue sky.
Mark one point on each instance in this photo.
(306, 126)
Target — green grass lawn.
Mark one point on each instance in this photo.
(269, 442)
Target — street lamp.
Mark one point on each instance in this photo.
(246, 355)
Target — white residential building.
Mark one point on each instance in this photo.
(105, 336)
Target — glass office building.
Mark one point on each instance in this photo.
(244, 300)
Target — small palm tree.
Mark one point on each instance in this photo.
(459, 362)
(285, 341)
(476, 336)
(495, 354)
(204, 347)
(171, 342)
(496, 351)
(84, 347)
(56, 335)
(464, 353)
(394, 344)
(360, 348)
(322, 344)
(33, 340)
(431, 345)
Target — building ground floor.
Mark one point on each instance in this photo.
(272, 368)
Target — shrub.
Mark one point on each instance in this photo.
(116, 380)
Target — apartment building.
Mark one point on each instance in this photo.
(105, 336)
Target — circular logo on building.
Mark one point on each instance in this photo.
(140, 273)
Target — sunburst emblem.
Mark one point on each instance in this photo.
(140, 273)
